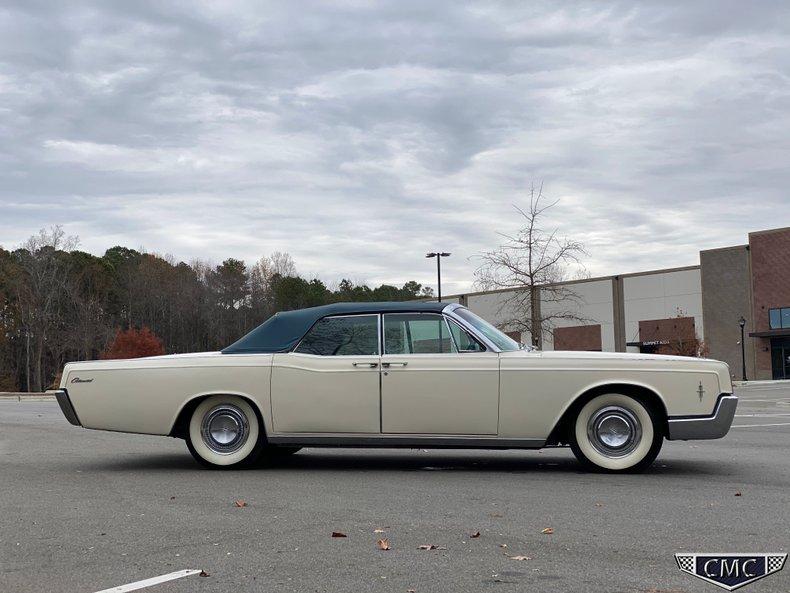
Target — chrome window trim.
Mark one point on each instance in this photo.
(378, 335)
(449, 310)
(441, 315)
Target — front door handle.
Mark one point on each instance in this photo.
(370, 365)
(387, 365)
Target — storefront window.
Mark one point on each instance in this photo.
(779, 318)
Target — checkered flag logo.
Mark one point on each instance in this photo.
(685, 562)
(775, 562)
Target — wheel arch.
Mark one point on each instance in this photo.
(179, 427)
(644, 393)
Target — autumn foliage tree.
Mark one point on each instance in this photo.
(134, 343)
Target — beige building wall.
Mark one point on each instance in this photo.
(662, 295)
(594, 305)
(726, 281)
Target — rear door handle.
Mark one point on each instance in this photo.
(387, 365)
(370, 365)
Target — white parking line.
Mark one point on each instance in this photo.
(759, 425)
(179, 574)
(764, 415)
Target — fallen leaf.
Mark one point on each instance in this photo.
(428, 547)
(520, 558)
(338, 534)
(495, 515)
(378, 531)
(203, 573)
(738, 494)
(548, 531)
(476, 534)
(172, 498)
(503, 545)
(383, 544)
(410, 591)
(599, 504)
(240, 503)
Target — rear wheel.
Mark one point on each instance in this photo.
(224, 432)
(616, 433)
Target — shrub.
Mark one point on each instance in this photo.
(134, 343)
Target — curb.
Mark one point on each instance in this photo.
(27, 397)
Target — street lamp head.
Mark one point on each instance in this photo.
(437, 254)
(742, 321)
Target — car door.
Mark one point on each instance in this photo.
(428, 386)
(330, 382)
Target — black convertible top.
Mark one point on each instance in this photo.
(283, 330)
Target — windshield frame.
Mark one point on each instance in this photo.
(501, 341)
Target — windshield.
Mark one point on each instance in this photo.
(498, 338)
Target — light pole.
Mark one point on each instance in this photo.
(438, 255)
(742, 323)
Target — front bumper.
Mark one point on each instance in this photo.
(65, 406)
(715, 426)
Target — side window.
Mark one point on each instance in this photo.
(463, 340)
(416, 333)
(339, 336)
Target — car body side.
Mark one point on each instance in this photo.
(532, 390)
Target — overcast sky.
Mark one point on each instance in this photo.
(359, 135)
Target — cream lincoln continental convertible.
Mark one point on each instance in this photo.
(401, 375)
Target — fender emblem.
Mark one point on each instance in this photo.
(78, 380)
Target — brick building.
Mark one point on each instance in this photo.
(680, 310)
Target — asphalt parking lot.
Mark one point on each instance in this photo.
(86, 511)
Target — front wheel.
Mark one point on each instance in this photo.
(224, 432)
(616, 433)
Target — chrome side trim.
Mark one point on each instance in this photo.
(404, 441)
(65, 406)
(714, 426)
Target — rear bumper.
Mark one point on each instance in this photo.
(715, 426)
(65, 406)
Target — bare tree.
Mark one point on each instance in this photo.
(532, 264)
(40, 292)
(262, 275)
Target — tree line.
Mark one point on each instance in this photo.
(58, 303)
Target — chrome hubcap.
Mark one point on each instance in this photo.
(225, 429)
(614, 431)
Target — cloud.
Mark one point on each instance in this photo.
(358, 135)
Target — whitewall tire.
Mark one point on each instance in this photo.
(224, 432)
(616, 433)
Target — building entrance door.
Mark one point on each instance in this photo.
(780, 358)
